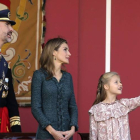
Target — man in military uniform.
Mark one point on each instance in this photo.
(9, 114)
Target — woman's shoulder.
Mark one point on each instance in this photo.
(36, 72)
(67, 74)
(39, 73)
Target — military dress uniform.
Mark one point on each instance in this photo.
(9, 114)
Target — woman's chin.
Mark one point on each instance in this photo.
(67, 62)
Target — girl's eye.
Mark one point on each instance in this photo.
(65, 49)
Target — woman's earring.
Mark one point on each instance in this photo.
(54, 58)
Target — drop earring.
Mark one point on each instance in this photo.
(54, 58)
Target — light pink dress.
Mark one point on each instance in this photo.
(110, 121)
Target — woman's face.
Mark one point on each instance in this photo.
(62, 55)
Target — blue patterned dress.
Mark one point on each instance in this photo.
(53, 103)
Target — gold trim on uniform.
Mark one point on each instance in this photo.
(9, 14)
(14, 120)
(15, 117)
(4, 19)
(1, 83)
(4, 94)
(7, 128)
(8, 66)
(15, 123)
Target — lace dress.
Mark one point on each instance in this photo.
(110, 121)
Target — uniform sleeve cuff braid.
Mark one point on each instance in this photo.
(15, 121)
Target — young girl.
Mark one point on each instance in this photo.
(109, 116)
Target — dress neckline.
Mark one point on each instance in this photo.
(61, 79)
(109, 103)
(53, 78)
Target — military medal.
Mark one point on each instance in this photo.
(5, 90)
(6, 84)
(1, 83)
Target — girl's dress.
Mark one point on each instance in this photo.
(110, 121)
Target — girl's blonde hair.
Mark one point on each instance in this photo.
(101, 92)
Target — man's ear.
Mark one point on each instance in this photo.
(106, 86)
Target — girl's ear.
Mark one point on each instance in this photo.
(106, 86)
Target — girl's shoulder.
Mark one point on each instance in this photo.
(104, 111)
(95, 108)
(123, 101)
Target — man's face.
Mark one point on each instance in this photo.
(5, 32)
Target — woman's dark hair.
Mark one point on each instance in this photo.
(101, 92)
(46, 59)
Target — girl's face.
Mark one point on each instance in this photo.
(115, 85)
(62, 55)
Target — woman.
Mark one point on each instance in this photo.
(53, 101)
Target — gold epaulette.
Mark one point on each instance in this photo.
(8, 66)
(15, 121)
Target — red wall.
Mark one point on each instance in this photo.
(82, 23)
(91, 55)
(125, 53)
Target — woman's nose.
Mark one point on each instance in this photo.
(69, 54)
